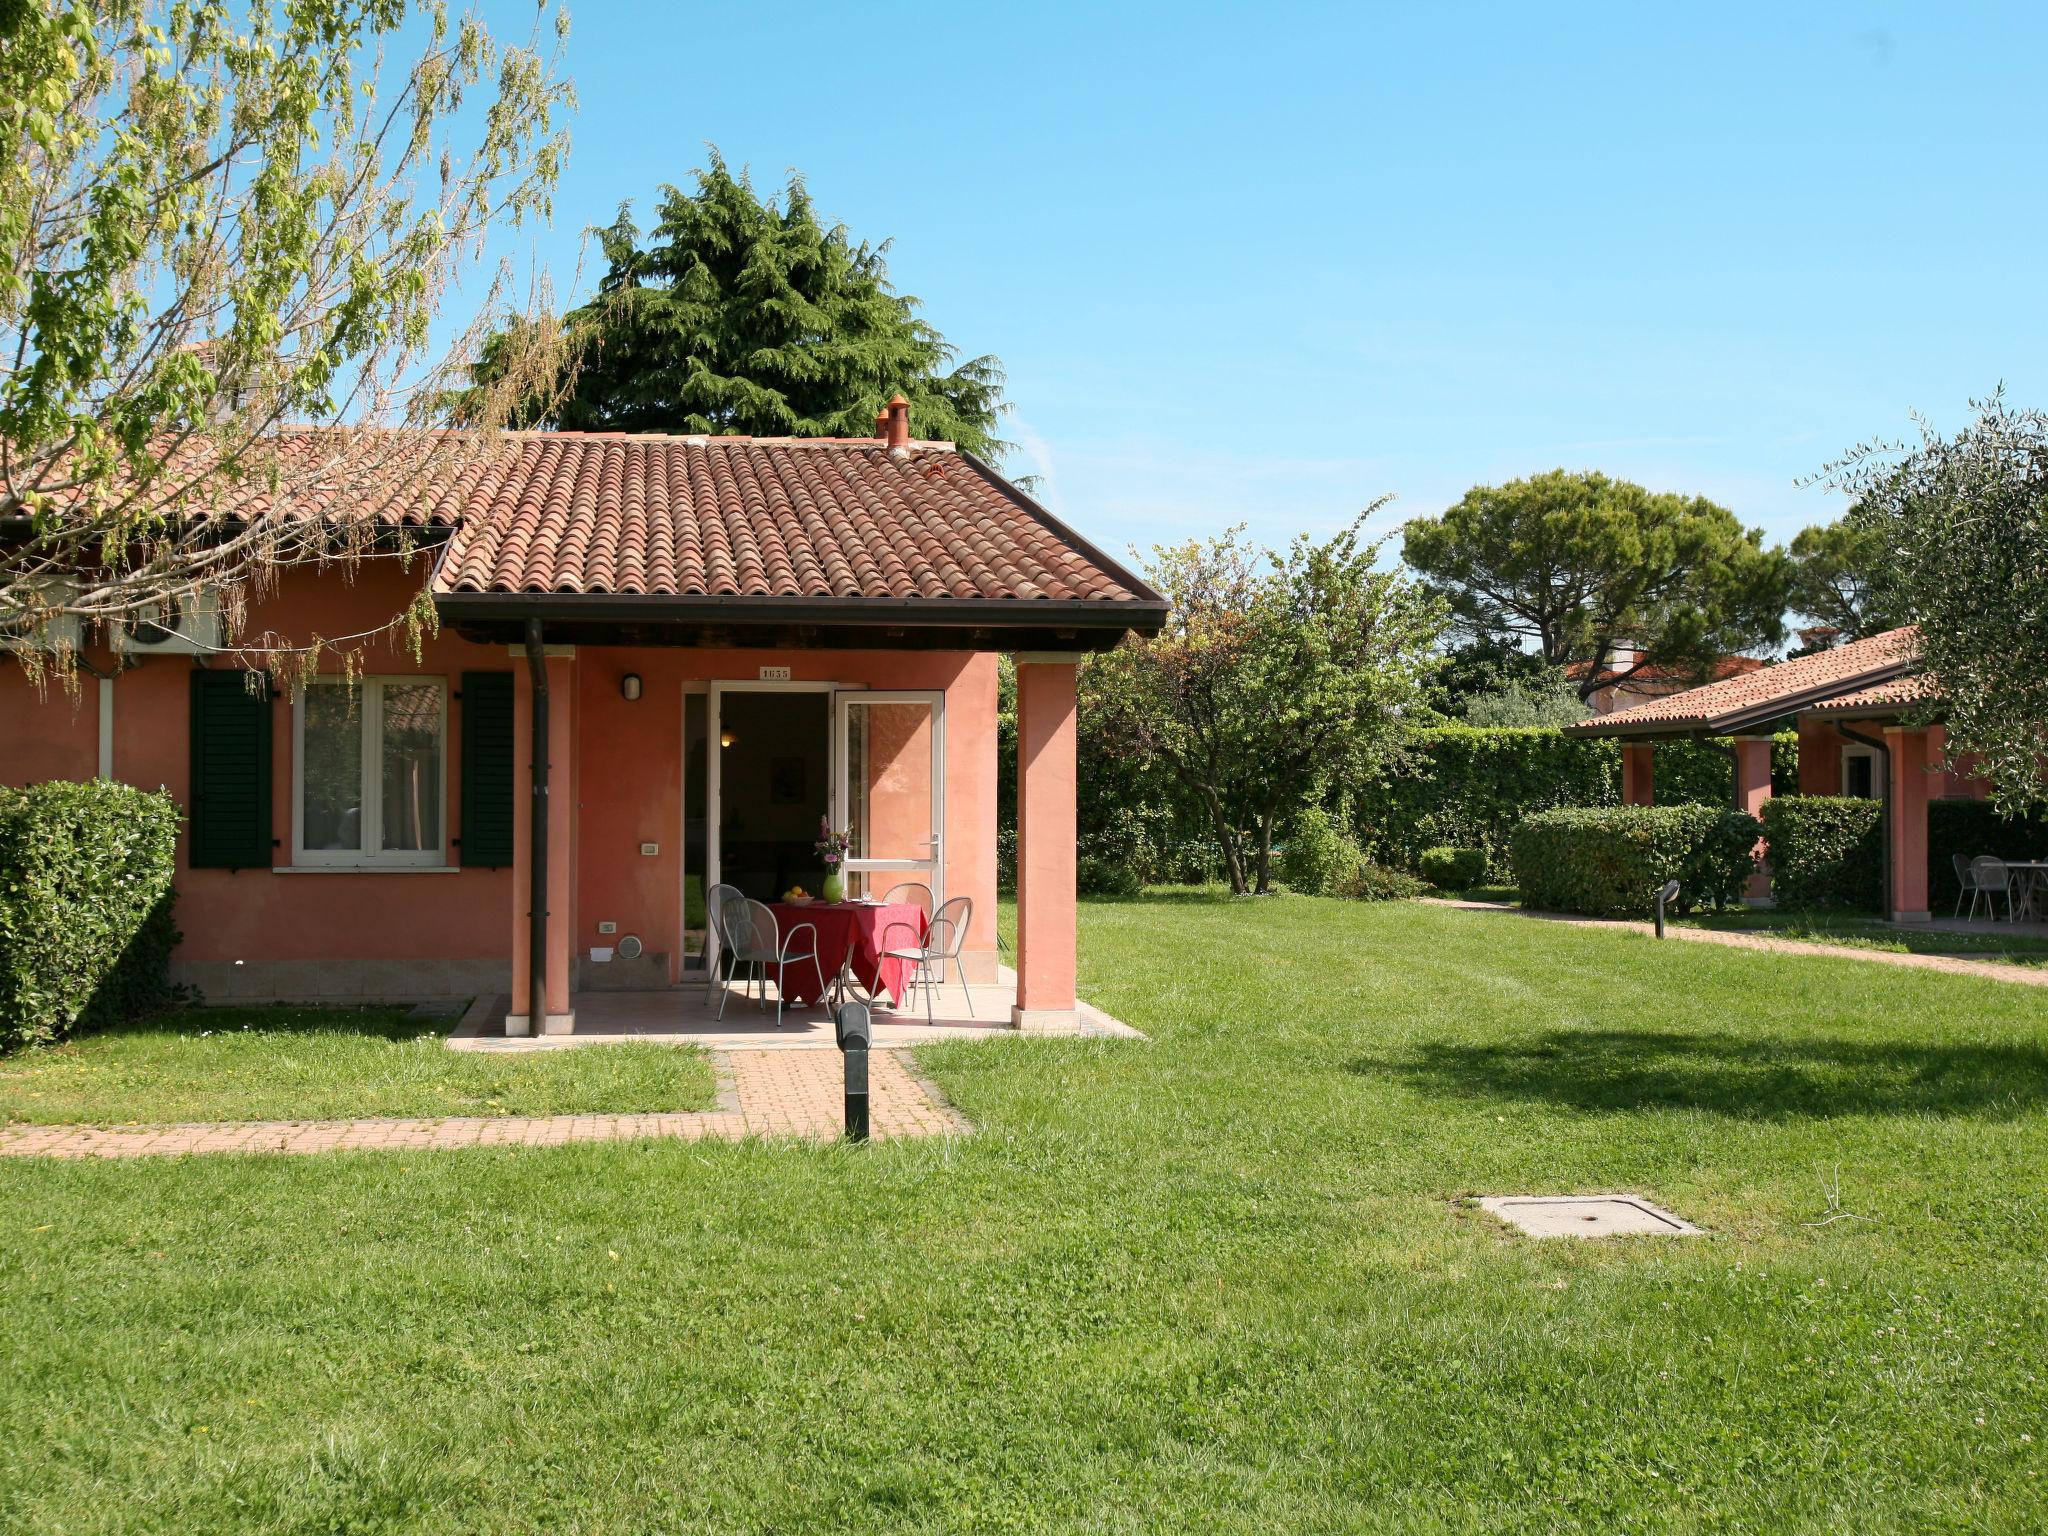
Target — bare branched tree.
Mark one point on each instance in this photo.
(227, 232)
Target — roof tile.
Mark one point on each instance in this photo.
(1856, 665)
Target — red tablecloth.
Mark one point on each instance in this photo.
(851, 928)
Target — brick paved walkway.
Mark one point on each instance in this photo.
(799, 1094)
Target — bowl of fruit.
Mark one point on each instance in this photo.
(797, 896)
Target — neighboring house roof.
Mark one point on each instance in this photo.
(1756, 698)
(1624, 679)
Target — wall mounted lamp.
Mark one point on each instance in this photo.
(629, 686)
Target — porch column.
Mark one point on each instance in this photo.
(1752, 789)
(561, 817)
(1045, 843)
(1911, 787)
(1638, 773)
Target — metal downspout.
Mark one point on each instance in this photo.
(537, 840)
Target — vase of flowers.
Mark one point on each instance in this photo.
(832, 847)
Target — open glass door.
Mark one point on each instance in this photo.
(889, 779)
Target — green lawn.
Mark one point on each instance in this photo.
(328, 1064)
(1219, 1282)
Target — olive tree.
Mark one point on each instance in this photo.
(1276, 672)
(219, 219)
(1959, 530)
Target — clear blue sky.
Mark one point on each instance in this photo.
(1266, 263)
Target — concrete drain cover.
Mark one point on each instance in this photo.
(1586, 1216)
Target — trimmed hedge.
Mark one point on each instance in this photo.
(1825, 851)
(1611, 861)
(1464, 787)
(85, 906)
(1452, 869)
(1971, 828)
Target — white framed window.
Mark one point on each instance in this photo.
(1859, 773)
(370, 773)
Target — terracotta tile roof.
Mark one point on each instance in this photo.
(1755, 697)
(324, 474)
(1898, 693)
(736, 516)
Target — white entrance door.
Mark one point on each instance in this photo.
(889, 783)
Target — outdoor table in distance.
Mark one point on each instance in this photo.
(852, 936)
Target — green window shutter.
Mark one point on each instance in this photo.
(230, 808)
(487, 770)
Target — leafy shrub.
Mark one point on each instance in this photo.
(85, 906)
(1452, 869)
(1825, 851)
(1610, 861)
(1095, 875)
(1971, 828)
(1317, 859)
(1376, 882)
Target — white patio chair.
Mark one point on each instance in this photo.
(944, 936)
(715, 901)
(1993, 880)
(910, 893)
(756, 941)
(1966, 884)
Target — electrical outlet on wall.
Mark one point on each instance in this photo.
(607, 927)
(649, 850)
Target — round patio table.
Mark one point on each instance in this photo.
(851, 938)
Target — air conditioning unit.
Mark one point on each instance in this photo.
(183, 624)
(60, 632)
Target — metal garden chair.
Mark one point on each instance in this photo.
(1993, 880)
(715, 901)
(756, 941)
(944, 936)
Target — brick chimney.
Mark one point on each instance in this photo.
(882, 423)
(895, 422)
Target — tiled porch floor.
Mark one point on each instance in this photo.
(683, 1015)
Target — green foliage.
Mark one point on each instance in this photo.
(1834, 569)
(1973, 828)
(1702, 772)
(1961, 530)
(214, 217)
(1377, 882)
(1580, 564)
(1318, 859)
(85, 906)
(1452, 869)
(1547, 699)
(1611, 861)
(739, 313)
(1825, 851)
(1459, 787)
(1278, 672)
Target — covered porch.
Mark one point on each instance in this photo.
(741, 640)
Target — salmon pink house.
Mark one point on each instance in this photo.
(661, 662)
(1861, 711)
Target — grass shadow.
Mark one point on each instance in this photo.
(1739, 1076)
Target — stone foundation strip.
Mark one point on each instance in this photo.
(774, 1094)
